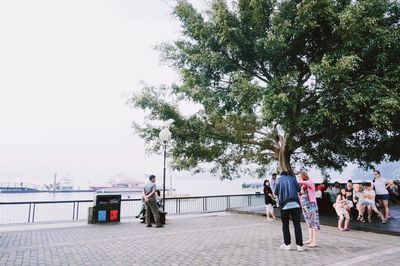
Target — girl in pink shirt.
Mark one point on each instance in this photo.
(309, 207)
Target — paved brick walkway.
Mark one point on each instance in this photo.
(220, 239)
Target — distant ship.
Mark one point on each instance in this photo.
(120, 184)
(14, 187)
(252, 185)
(63, 185)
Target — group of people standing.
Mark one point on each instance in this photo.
(295, 197)
(298, 197)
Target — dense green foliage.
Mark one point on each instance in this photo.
(310, 83)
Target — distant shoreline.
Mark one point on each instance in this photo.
(45, 191)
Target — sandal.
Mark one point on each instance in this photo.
(384, 221)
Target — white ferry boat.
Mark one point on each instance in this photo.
(120, 184)
(65, 184)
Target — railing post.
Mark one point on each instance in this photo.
(179, 205)
(77, 211)
(176, 205)
(29, 213)
(250, 199)
(73, 212)
(33, 213)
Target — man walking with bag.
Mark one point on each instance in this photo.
(149, 198)
(287, 190)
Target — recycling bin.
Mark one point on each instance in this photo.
(107, 208)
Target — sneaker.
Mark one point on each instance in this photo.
(300, 248)
(159, 226)
(285, 247)
(149, 225)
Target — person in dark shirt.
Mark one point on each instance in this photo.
(287, 191)
(349, 195)
(269, 200)
(349, 190)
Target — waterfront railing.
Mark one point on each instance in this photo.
(73, 210)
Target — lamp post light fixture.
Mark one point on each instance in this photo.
(165, 137)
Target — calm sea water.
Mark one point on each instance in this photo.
(192, 187)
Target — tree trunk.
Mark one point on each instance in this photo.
(284, 160)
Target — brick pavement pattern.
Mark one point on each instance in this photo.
(228, 239)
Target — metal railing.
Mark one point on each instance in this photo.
(49, 211)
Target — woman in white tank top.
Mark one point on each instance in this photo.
(382, 194)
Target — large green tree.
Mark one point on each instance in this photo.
(313, 82)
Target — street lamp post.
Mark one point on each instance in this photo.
(165, 137)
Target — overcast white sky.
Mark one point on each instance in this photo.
(64, 67)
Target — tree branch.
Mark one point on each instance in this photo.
(237, 64)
